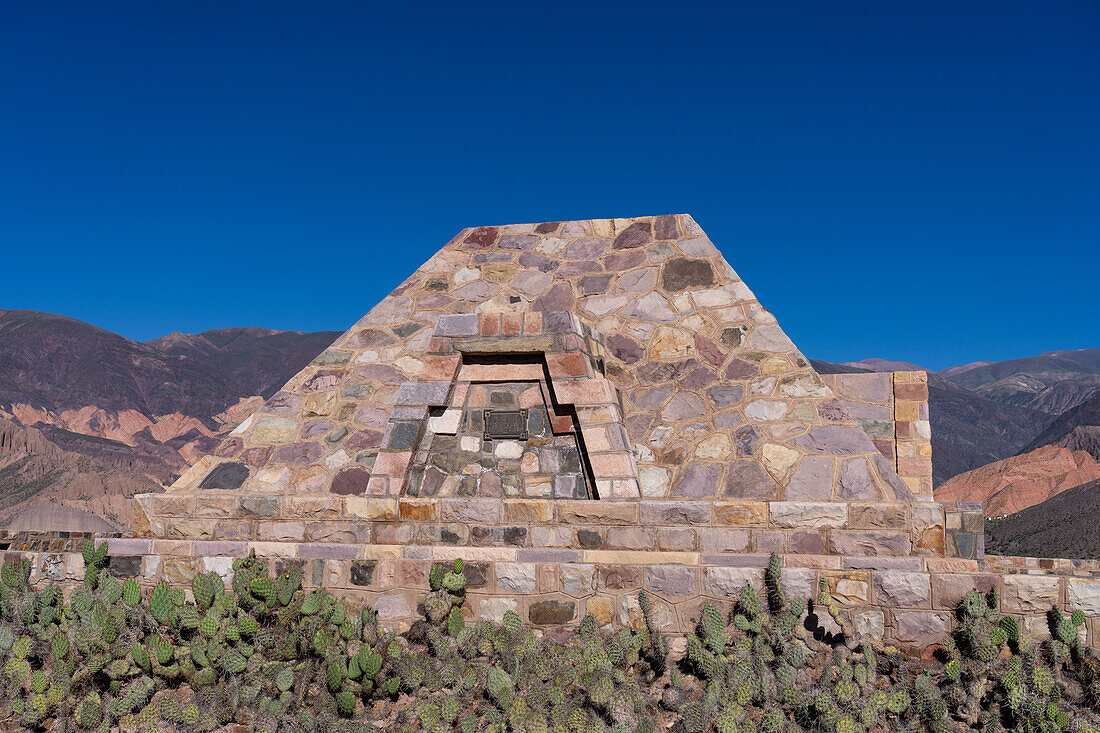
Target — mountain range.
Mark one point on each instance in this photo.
(89, 417)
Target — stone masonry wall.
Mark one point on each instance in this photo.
(908, 601)
(892, 408)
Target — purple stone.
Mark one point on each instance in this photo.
(748, 480)
(635, 235)
(700, 480)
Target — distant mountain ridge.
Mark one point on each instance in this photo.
(58, 363)
(1052, 382)
(1077, 429)
(91, 417)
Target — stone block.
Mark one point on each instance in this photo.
(493, 609)
(1037, 628)
(597, 512)
(479, 511)
(527, 510)
(723, 540)
(552, 613)
(741, 513)
(619, 577)
(671, 580)
(577, 580)
(869, 543)
(869, 623)
(806, 542)
(948, 589)
(600, 608)
(920, 627)
(799, 583)
(891, 515)
(1083, 594)
(516, 577)
(675, 512)
(632, 538)
(371, 509)
(902, 589)
(804, 515)
(181, 570)
(849, 588)
(395, 606)
(676, 538)
(728, 582)
(1030, 594)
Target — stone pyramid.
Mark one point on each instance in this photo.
(609, 361)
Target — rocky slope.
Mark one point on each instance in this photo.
(1063, 526)
(1077, 429)
(35, 469)
(1013, 484)
(89, 418)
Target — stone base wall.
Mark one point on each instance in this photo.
(895, 529)
(905, 600)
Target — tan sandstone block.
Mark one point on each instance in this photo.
(417, 509)
(373, 509)
(601, 609)
(527, 510)
(379, 552)
(181, 569)
(312, 507)
(741, 513)
(474, 554)
(597, 512)
(216, 506)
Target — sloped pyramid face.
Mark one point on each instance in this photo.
(618, 360)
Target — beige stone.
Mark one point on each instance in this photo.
(671, 343)
(778, 459)
(370, 508)
(716, 447)
(1029, 593)
(741, 513)
(493, 609)
(1083, 594)
(526, 510)
(807, 515)
(317, 404)
(273, 430)
(181, 569)
(631, 557)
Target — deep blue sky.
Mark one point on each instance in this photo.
(916, 181)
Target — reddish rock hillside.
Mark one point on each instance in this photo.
(1016, 483)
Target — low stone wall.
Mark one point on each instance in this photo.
(896, 529)
(906, 600)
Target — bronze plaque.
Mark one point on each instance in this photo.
(506, 425)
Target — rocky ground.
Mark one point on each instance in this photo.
(1016, 483)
